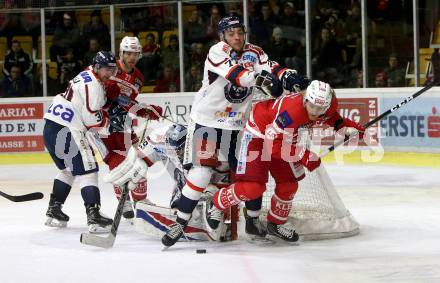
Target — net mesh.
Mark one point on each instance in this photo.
(317, 211)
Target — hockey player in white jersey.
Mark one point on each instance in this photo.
(165, 145)
(220, 110)
(67, 121)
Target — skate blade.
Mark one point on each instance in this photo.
(277, 240)
(259, 241)
(96, 229)
(52, 222)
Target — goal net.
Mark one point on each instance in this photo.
(317, 211)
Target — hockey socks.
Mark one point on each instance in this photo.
(60, 190)
(91, 195)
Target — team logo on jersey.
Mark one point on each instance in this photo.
(283, 120)
(63, 112)
(249, 57)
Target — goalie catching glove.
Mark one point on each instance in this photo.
(131, 170)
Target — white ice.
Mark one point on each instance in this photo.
(398, 209)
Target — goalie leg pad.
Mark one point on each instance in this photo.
(140, 192)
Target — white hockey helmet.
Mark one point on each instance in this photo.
(319, 94)
(130, 44)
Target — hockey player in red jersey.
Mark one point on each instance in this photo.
(122, 89)
(219, 112)
(271, 144)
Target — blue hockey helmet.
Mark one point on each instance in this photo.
(176, 136)
(105, 59)
(229, 22)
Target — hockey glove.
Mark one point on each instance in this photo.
(352, 124)
(152, 112)
(117, 116)
(269, 84)
(294, 82)
(130, 171)
(309, 159)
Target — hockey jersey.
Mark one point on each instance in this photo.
(226, 95)
(281, 119)
(117, 143)
(125, 83)
(80, 106)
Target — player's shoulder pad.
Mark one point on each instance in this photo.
(254, 48)
(293, 104)
(219, 53)
(94, 85)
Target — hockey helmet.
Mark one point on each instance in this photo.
(229, 22)
(175, 136)
(130, 44)
(104, 59)
(319, 94)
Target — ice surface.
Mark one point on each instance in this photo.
(398, 209)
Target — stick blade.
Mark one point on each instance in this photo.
(21, 198)
(101, 242)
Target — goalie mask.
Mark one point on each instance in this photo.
(319, 95)
(175, 138)
(130, 44)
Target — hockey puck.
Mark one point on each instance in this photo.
(201, 251)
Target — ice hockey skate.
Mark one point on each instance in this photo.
(96, 221)
(174, 233)
(55, 216)
(127, 210)
(214, 220)
(256, 232)
(285, 232)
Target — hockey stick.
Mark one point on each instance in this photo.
(21, 198)
(380, 117)
(109, 241)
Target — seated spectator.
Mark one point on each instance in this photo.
(170, 55)
(150, 61)
(198, 54)
(195, 30)
(395, 74)
(94, 47)
(16, 56)
(193, 78)
(69, 68)
(328, 58)
(263, 25)
(168, 82)
(211, 24)
(278, 48)
(67, 35)
(53, 86)
(15, 85)
(290, 16)
(381, 80)
(98, 29)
